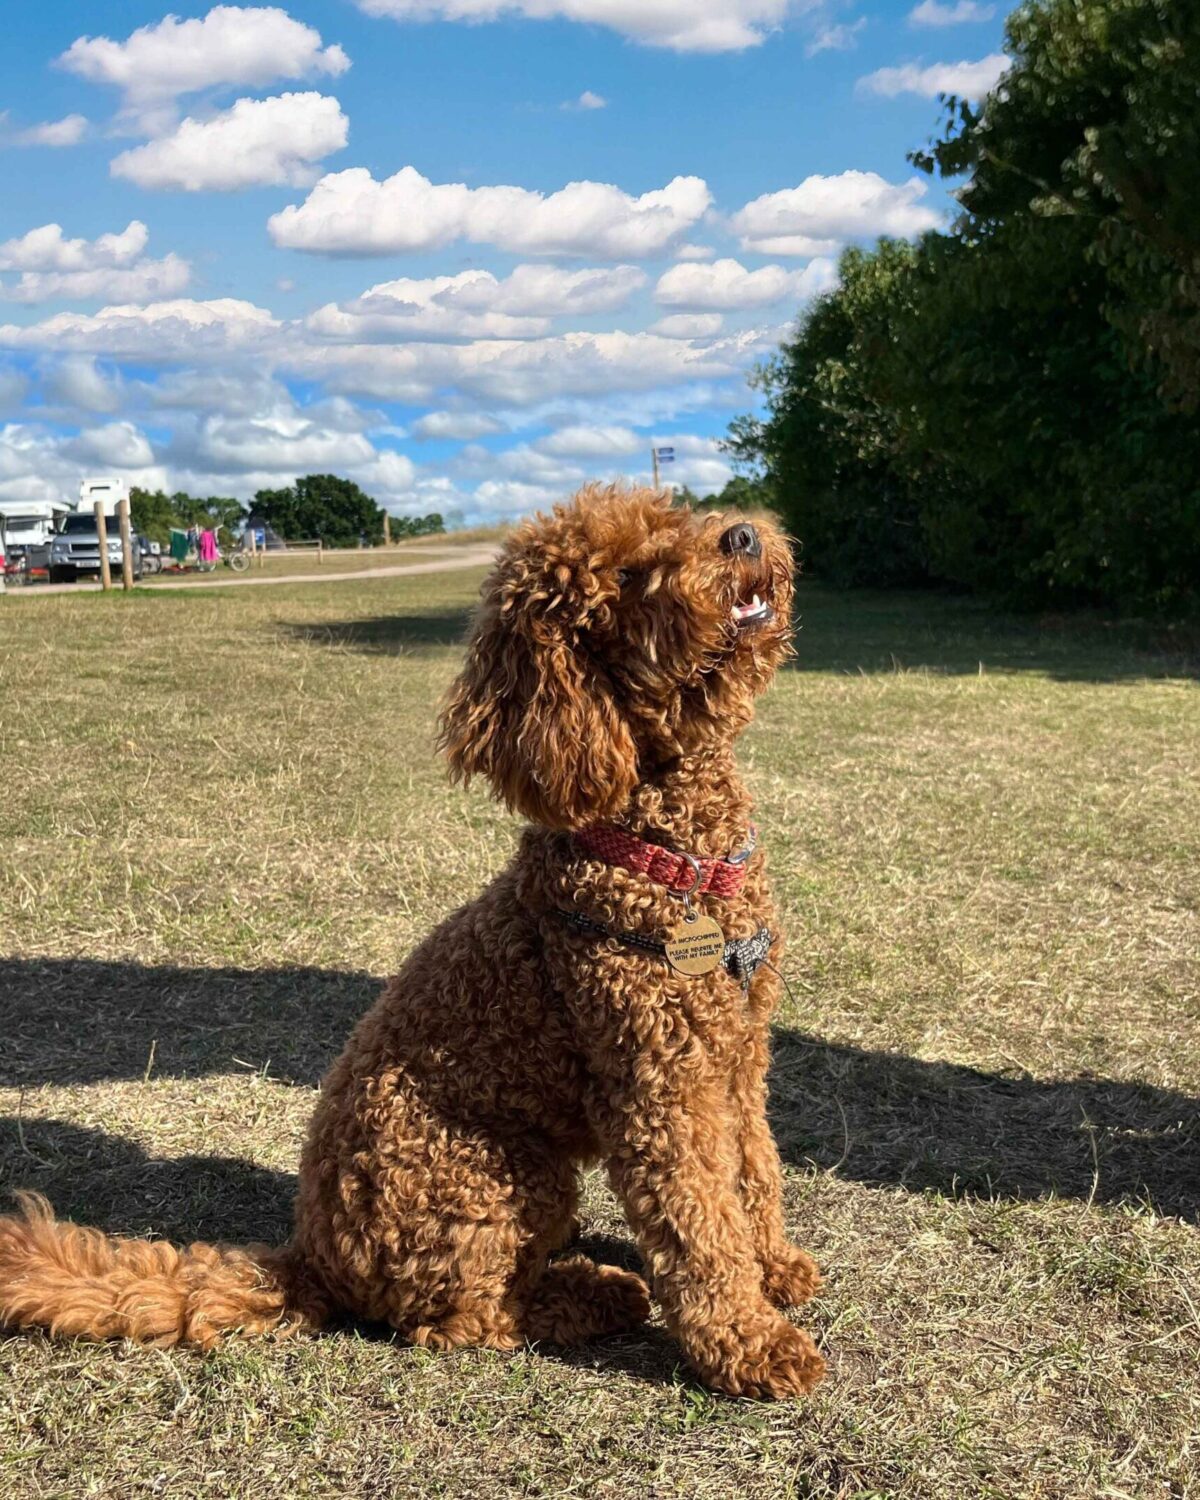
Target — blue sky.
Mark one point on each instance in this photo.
(339, 235)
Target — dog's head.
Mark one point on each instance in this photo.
(615, 635)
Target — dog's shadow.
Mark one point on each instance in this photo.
(78, 1020)
(889, 1120)
(879, 1118)
(386, 635)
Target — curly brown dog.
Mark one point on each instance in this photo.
(615, 659)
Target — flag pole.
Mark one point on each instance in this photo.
(654, 461)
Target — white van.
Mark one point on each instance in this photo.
(75, 549)
(29, 528)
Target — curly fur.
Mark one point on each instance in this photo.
(605, 680)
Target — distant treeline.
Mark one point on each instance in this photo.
(1012, 406)
(319, 505)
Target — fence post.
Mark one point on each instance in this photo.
(102, 532)
(319, 557)
(387, 529)
(126, 545)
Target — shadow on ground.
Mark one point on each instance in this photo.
(387, 635)
(80, 1020)
(894, 1121)
(860, 631)
(110, 1183)
(875, 1117)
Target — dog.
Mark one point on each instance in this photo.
(603, 1000)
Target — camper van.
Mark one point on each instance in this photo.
(29, 528)
(75, 549)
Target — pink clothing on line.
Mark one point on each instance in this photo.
(208, 546)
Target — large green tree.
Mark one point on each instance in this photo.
(321, 505)
(1006, 406)
(1097, 123)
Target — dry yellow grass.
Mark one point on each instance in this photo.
(224, 819)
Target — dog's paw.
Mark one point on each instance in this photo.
(577, 1300)
(785, 1363)
(790, 1277)
(623, 1297)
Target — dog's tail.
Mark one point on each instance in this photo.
(83, 1282)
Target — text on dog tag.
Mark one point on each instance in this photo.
(696, 946)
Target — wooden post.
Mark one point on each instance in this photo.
(319, 558)
(387, 529)
(102, 532)
(126, 545)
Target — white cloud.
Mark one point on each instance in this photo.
(76, 382)
(688, 325)
(463, 426)
(14, 387)
(476, 304)
(146, 281)
(349, 213)
(933, 13)
(257, 142)
(116, 445)
(525, 373)
(283, 441)
(842, 37)
(971, 80)
(68, 131)
(107, 268)
(247, 47)
(694, 252)
(399, 311)
(36, 464)
(726, 285)
(587, 100)
(592, 442)
(514, 497)
(682, 25)
(824, 212)
(46, 249)
(176, 329)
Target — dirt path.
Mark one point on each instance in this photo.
(459, 557)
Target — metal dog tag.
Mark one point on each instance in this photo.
(696, 946)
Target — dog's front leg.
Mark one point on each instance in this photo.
(672, 1160)
(789, 1275)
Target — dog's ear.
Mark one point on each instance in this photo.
(534, 714)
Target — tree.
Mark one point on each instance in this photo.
(417, 525)
(738, 493)
(1098, 123)
(153, 513)
(1004, 407)
(324, 506)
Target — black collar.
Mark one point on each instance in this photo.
(742, 956)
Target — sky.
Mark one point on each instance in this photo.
(468, 253)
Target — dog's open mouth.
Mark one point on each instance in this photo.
(757, 612)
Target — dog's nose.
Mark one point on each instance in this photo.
(741, 540)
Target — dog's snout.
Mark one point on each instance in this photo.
(741, 540)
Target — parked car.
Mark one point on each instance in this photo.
(75, 549)
(151, 554)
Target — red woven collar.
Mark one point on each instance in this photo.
(717, 877)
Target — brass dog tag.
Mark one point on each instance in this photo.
(696, 946)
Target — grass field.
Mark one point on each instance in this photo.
(224, 820)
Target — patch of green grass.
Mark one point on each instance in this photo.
(225, 820)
